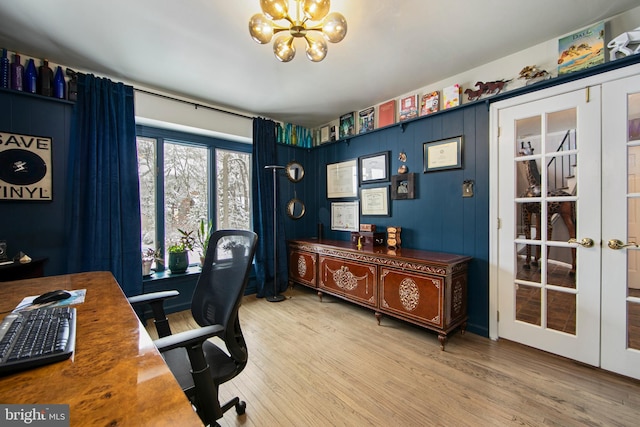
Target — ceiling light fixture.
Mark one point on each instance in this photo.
(331, 26)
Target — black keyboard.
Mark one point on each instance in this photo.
(36, 337)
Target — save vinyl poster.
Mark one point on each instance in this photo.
(25, 167)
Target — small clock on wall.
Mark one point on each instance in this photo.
(25, 167)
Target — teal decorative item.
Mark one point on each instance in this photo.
(178, 262)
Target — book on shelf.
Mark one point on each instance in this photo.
(581, 50)
(387, 113)
(451, 96)
(366, 119)
(324, 134)
(408, 107)
(347, 125)
(430, 103)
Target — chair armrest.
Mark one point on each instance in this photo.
(152, 297)
(188, 338)
(156, 301)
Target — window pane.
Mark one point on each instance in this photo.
(185, 191)
(233, 190)
(146, 170)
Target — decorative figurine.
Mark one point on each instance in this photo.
(533, 74)
(621, 44)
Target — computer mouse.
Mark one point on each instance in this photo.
(52, 296)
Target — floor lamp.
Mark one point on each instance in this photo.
(275, 297)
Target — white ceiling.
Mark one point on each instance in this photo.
(201, 49)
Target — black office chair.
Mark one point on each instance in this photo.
(200, 366)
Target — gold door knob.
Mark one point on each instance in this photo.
(585, 243)
(616, 244)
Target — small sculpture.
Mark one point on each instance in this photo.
(533, 74)
(491, 88)
(473, 94)
(621, 44)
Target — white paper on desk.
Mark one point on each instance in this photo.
(77, 297)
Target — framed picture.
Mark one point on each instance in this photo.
(374, 168)
(25, 167)
(344, 216)
(443, 154)
(342, 180)
(403, 186)
(375, 201)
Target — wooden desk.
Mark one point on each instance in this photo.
(116, 376)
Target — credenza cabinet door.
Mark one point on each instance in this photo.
(415, 297)
(349, 278)
(302, 268)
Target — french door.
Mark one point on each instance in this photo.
(566, 250)
(620, 226)
(549, 201)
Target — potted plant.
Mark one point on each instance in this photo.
(148, 256)
(236, 248)
(203, 233)
(179, 252)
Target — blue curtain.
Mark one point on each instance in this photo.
(104, 220)
(264, 154)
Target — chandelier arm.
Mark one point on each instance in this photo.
(316, 28)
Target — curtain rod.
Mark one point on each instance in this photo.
(195, 104)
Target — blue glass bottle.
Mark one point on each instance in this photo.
(17, 73)
(58, 84)
(4, 70)
(30, 77)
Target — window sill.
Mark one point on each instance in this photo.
(166, 274)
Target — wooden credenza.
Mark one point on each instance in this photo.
(425, 288)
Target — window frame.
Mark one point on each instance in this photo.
(161, 135)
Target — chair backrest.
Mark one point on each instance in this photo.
(223, 280)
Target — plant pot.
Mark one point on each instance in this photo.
(178, 262)
(146, 267)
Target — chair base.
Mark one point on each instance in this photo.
(276, 298)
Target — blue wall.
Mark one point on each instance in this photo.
(37, 228)
(439, 218)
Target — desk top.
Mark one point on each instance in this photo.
(116, 376)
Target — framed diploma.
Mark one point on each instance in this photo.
(375, 201)
(344, 216)
(443, 154)
(374, 168)
(342, 179)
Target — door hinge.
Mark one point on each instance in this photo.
(499, 131)
(587, 94)
(498, 315)
(499, 223)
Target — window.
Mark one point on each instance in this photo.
(202, 178)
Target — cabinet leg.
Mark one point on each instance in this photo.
(378, 317)
(320, 296)
(463, 328)
(442, 338)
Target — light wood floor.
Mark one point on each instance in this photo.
(330, 364)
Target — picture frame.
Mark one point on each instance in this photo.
(443, 154)
(342, 179)
(26, 168)
(374, 201)
(344, 216)
(403, 186)
(374, 168)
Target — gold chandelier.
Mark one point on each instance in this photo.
(330, 26)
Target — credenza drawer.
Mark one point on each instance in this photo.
(356, 280)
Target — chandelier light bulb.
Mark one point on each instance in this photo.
(316, 10)
(275, 9)
(316, 48)
(335, 27)
(283, 48)
(260, 28)
(312, 21)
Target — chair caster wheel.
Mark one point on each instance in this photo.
(241, 407)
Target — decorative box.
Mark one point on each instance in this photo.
(369, 238)
(367, 227)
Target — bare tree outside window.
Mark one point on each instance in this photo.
(185, 190)
(146, 170)
(233, 190)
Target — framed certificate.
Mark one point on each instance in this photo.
(344, 216)
(375, 201)
(342, 179)
(374, 168)
(443, 154)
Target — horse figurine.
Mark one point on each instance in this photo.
(473, 94)
(492, 87)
